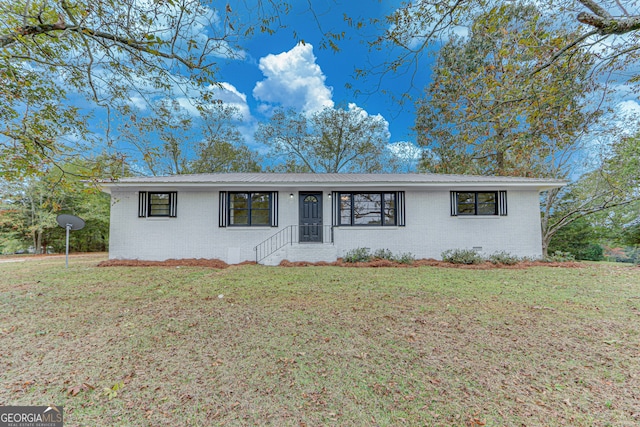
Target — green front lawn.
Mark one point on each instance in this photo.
(255, 345)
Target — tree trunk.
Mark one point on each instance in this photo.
(37, 240)
(545, 246)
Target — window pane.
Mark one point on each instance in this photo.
(159, 210)
(465, 198)
(239, 201)
(487, 204)
(345, 209)
(260, 217)
(466, 203)
(159, 204)
(160, 199)
(259, 200)
(239, 217)
(486, 197)
(486, 209)
(389, 209)
(367, 208)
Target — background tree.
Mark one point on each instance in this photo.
(161, 137)
(29, 208)
(108, 51)
(416, 29)
(484, 113)
(610, 188)
(222, 147)
(203, 139)
(332, 140)
(580, 238)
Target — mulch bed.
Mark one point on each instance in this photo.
(216, 263)
(188, 262)
(434, 263)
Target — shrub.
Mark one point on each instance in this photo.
(593, 252)
(462, 256)
(383, 254)
(559, 256)
(405, 258)
(364, 255)
(357, 255)
(504, 258)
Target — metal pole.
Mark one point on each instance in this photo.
(67, 250)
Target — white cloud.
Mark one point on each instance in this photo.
(293, 79)
(627, 117)
(629, 109)
(353, 107)
(407, 153)
(230, 95)
(406, 150)
(225, 92)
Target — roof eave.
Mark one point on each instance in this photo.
(540, 186)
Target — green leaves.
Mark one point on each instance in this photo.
(104, 50)
(485, 113)
(332, 140)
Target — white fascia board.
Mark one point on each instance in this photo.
(231, 186)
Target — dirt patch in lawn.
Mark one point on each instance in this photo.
(216, 263)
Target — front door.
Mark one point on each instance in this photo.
(310, 217)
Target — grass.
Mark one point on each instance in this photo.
(308, 346)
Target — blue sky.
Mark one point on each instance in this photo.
(279, 71)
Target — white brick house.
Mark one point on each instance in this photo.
(319, 217)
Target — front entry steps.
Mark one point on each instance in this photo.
(309, 252)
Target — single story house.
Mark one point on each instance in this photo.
(269, 217)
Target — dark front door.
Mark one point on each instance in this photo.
(310, 217)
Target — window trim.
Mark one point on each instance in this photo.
(224, 209)
(398, 214)
(500, 204)
(145, 205)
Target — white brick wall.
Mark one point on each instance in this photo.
(429, 230)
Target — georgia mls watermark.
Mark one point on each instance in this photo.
(31, 416)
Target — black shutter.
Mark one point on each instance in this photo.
(502, 203)
(335, 208)
(222, 209)
(173, 204)
(400, 211)
(142, 204)
(454, 203)
(274, 208)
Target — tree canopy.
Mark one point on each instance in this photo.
(328, 141)
(610, 29)
(484, 113)
(108, 51)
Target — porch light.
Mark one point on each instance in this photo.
(291, 195)
(329, 195)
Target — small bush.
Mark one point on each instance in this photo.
(357, 255)
(383, 254)
(504, 258)
(559, 256)
(365, 255)
(462, 256)
(405, 258)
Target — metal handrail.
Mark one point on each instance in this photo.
(288, 236)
